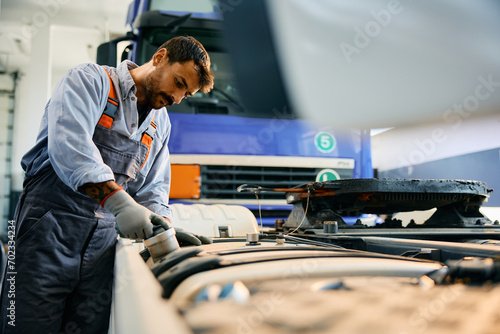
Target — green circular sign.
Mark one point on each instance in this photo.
(325, 142)
(327, 175)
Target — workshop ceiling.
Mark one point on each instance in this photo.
(20, 20)
(67, 12)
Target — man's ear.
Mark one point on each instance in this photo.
(160, 56)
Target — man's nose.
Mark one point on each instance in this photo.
(178, 96)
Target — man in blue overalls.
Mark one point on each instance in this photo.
(101, 157)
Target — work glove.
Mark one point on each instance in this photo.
(134, 220)
(185, 238)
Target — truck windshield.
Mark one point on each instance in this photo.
(198, 18)
(224, 82)
(223, 99)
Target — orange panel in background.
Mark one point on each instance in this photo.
(185, 181)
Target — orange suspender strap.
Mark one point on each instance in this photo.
(108, 115)
(147, 138)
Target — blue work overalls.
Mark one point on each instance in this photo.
(65, 247)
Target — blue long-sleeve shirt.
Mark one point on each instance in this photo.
(68, 124)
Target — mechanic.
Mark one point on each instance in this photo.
(101, 157)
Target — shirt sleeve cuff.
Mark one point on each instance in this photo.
(162, 210)
(96, 173)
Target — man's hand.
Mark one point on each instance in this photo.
(186, 238)
(134, 220)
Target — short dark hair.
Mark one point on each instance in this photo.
(185, 48)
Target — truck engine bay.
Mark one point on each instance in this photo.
(314, 273)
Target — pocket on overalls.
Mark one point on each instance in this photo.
(123, 155)
(55, 227)
(28, 225)
(156, 146)
(121, 163)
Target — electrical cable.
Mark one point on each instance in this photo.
(306, 241)
(305, 212)
(257, 189)
(311, 242)
(260, 211)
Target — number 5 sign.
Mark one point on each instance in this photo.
(325, 142)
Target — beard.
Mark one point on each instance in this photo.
(154, 96)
